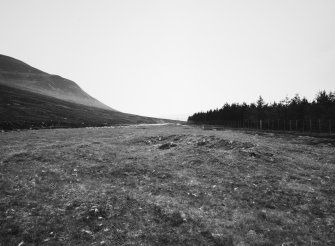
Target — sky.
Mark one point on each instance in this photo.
(173, 58)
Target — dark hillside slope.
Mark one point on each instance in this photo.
(17, 74)
(24, 109)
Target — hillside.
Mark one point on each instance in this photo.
(17, 74)
(24, 109)
(30, 98)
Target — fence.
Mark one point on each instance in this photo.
(39, 124)
(312, 126)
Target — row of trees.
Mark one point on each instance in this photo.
(297, 108)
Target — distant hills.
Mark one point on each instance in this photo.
(30, 98)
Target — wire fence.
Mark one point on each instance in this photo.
(306, 126)
(48, 124)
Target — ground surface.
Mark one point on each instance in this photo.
(165, 185)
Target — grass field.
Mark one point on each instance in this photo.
(165, 185)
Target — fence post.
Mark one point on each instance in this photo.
(319, 125)
(303, 125)
(296, 125)
(290, 126)
(310, 125)
(284, 125)
(330, 127)
(273, 124)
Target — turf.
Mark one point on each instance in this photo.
(165, 185)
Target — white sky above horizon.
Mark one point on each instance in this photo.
(174, 58)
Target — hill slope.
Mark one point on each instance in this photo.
(15, 73)
(25, 109)
(30, 98)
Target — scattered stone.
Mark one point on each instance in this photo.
(167, 145)
(88, 232)
(202, 143)
(206, 234)
(287, 244)
(176, 219)
(251, 234)
(253, 154)
(262, 214)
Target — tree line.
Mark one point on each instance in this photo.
(296, 108)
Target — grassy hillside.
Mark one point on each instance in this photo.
(165, 185)
(24, 109)
(17, 74)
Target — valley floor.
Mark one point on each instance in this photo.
(165, 185)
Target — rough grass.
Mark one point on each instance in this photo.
(165, 185)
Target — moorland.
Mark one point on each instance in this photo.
(165, 185)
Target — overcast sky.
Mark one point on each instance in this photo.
(166, 58)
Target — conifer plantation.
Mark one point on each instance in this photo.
(296, 108)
